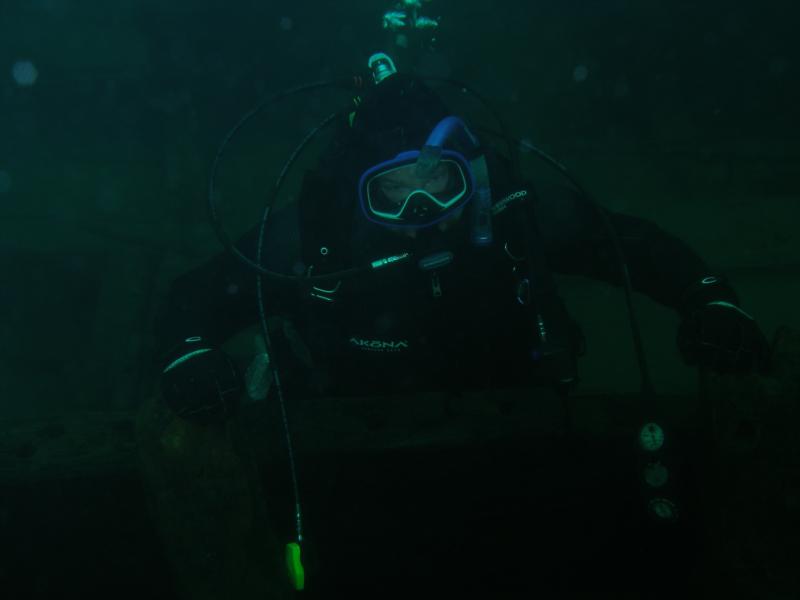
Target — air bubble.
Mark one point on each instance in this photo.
(580, 73)
(25, 73)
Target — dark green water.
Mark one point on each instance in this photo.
(110, 115)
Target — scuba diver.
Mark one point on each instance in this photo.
(417, 258)
(466, 283)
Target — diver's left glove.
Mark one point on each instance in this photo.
(717, 334)
(200, 382)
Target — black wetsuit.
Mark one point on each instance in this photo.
(402, 328)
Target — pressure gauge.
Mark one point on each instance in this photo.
(651, 437)
(663, 509)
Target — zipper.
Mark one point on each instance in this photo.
(436, 287)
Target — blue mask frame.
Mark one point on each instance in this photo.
(421, 209)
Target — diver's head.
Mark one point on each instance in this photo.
(407, 156)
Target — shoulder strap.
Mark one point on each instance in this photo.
(559, 339)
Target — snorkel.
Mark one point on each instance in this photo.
(481, 209)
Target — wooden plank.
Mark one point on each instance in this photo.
(67, 446)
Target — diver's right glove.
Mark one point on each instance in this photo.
(716, 334)
(200, 382)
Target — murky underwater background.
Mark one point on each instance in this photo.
(681, 112)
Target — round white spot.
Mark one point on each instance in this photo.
(286, 23)
(5, 182)
(25, 73)
(580, 73)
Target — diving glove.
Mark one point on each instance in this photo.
(717, 334)
(200, 382)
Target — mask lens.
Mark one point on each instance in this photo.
(391, 193)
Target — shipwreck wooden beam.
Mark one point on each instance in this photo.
(748, 412)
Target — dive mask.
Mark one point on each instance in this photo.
(416, 188)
